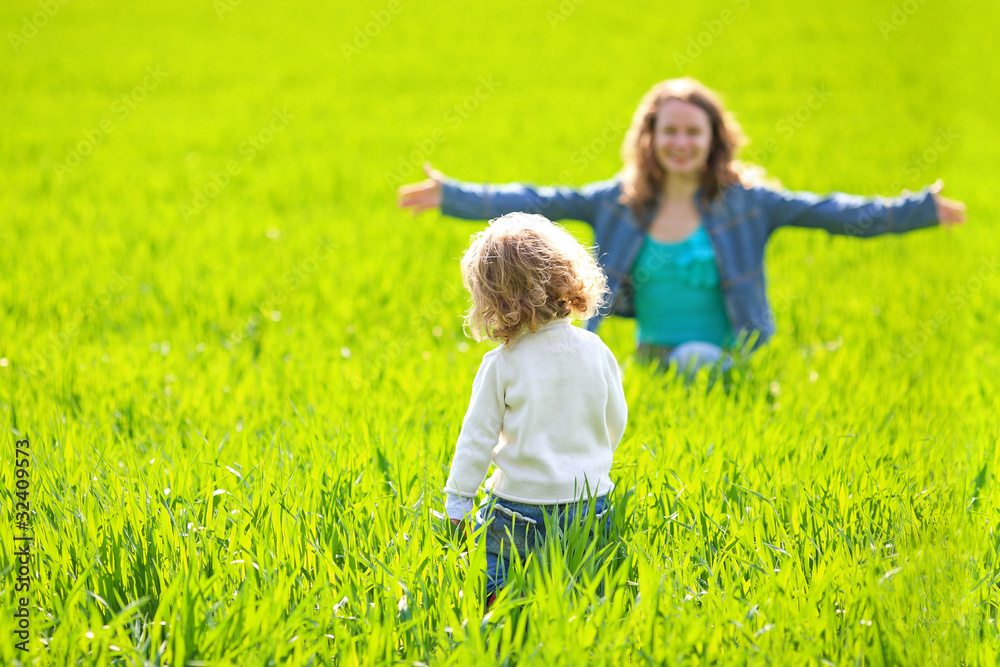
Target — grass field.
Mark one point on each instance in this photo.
(242, 371)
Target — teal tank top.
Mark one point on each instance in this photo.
(678, 298)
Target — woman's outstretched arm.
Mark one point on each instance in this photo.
(476, 201)
(853, 215)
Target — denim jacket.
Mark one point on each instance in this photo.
(739, 222)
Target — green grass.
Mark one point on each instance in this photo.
(242, 417)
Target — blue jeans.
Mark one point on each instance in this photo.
(513, 526)
(689, 358)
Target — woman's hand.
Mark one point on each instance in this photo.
(949, 211)
(424, 195)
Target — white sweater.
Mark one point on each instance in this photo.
(549, 411)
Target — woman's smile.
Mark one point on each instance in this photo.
(682, 138)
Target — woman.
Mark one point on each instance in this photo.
(681, 230)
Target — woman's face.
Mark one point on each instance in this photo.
(682, 137)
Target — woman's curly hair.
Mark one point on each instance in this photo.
(524, 271)
(643, 177)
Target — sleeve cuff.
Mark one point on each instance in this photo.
(927, 210)
(457, 507)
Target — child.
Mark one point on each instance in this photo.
(547, 406)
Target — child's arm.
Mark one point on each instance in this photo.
(458, 507)
(617, 409)
(480, 434)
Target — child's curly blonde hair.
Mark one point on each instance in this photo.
(524, 271)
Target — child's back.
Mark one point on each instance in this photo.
(563, 413)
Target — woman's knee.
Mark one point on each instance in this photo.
(692, 357)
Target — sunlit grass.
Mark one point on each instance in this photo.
(242, 417)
